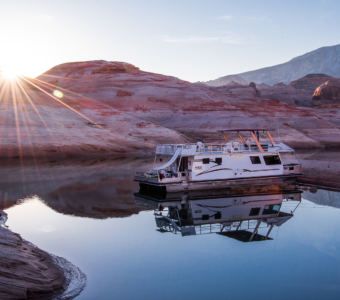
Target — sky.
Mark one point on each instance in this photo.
(194, 40)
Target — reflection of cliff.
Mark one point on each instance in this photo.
(108, 197)
(88, 189)
(323, 197)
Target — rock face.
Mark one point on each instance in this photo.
(310, 82)
(102, 108)
(27, 272)
(330, 90)
(325, 60)
(299, 92)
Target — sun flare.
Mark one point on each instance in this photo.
(10, 71)
(10, 74)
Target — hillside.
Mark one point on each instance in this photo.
(325, 60)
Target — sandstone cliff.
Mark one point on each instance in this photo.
(111, 108)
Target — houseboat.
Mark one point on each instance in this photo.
(253, 156)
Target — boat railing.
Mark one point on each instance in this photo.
(160, 176)
(170, 149)
(192, 149)
(251, 225)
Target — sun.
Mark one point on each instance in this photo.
(10, 70)
(10, 74)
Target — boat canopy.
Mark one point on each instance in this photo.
(171, 161)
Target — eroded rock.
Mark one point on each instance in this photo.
(25, 270)
(330, 90)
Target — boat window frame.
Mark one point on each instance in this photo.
(205, 161)
(254, 211)
(257, 158)
(269, 209)
(218, 160)
(270, 161)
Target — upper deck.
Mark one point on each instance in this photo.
(229, 147)
(246, 145)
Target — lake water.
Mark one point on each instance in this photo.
(86, 212)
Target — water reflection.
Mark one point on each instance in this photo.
(243, 217)
(113, 238)
(95, 189)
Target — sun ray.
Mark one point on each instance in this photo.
(53, 138)
(49, 132)
(32, 104)
(64, 104)
(78, 95)
(18, 131)
(3, 98)
(25, 117)
(55, 76)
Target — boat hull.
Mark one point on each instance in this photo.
(239, 183)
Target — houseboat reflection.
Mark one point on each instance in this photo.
(243, 217)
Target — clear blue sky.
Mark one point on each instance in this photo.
(191, 39)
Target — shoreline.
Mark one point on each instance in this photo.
(79, 152)
(27, 272)
(321, 167)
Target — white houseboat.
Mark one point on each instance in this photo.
(207, 166)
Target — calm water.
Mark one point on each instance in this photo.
(86, 213)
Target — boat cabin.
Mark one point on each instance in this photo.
(256, 155)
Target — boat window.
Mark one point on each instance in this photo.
(218, 160)
(206, 160)
(272, 160)
(255, 211)
(218, 215)
(205, 217)
(255, 160)
(271, 209)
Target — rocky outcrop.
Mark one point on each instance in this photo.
(310, 82)
(325, 60)
(27, 272)
(253, 86)
(298, 93)
(99, 108)
(330, 90)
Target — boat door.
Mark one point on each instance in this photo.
(183, 167)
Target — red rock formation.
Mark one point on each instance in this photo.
(310, 82)
(27, 272)
(330, 90)
(104, 104)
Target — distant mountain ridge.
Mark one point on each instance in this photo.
(325, 60)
